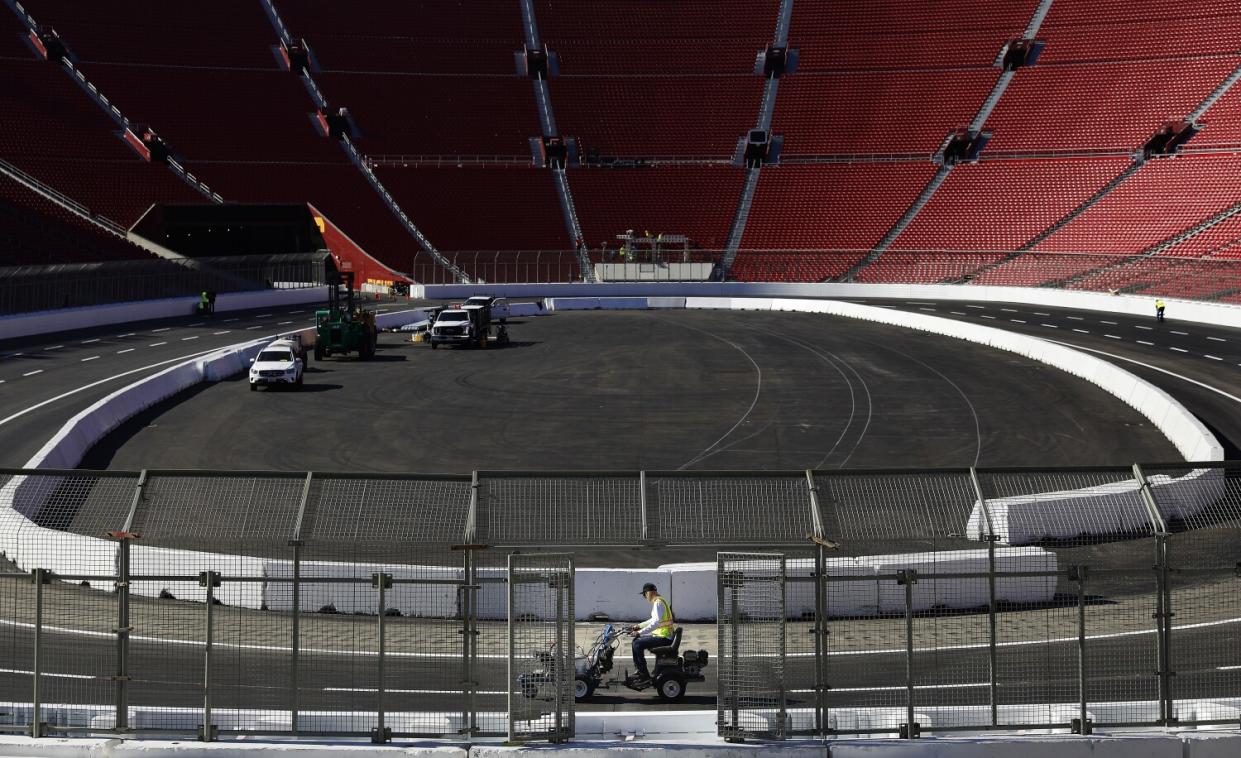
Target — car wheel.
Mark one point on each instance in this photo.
(671, 688)
(318, 353)
(434, 344)
(583, 688)
(253, 386)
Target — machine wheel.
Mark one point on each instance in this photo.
(583, 688)
(318, 352)
(670, 687)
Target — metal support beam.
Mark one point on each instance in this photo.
(1081, 724)
(210, 580)
(992, 657)
(37, 727)
(908, 578)
(295, 644)
(381, 734)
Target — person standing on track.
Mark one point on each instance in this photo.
(1159, 306)
(657, 632)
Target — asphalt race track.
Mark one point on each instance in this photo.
(656, 390)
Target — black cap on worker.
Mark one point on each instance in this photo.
(648, 587)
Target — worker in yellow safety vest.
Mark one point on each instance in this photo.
(1159, 310)
(657, 632)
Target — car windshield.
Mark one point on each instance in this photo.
(275, 356)
(453, 317)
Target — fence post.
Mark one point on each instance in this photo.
(559, 671)
(908, 578)
(469, 633)
(512, 669)
(1163, 598)
(209, 579)
(123, 628)
(820, 605)
(1081, 724)
(820, 641)
(295, 645)
(37, 727)
(381, 734)
(992, 657)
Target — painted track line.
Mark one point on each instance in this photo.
(94, 384)
(1182, 377)
(92, 358)
(32, 373)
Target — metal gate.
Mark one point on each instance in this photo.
(751, 699)
(540, 647)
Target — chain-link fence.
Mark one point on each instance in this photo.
(840, 602)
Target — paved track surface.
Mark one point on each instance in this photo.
(617, 374)
(653, 390)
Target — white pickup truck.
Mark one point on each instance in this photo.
(454, 326)
(499, 306)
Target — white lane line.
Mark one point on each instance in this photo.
(892, 688)
(283, 323)
(294, 313)
(1036, 313)
(503, 656)
(161, 329)
(1016, 321)
(12, 355)
(1083, 331)
(263, 315)
(256, 326)
(126, 334)
(986, 316)
(157, 344)
(1182, 377)
(926, 309)
(917, 302)
(92, 358)
(1212, 357)
(217, 334)
(1050, 326)
(32, 373)
(957, 313)
(197, 323)
(1109, 323)
(53, 347)
(979, 307)
(1144, 342)
(1183, 334)
(88, 342)
(1010, 310)
(1224, 668)
(1075, 318)
(1113, 336)
(1217, 339)
(1139, 326)
(70, 676)
(126, 350)
(187, 339)
(1179, 349)
(94, 384)
(229, 320)
(139, 370)
(454, 692)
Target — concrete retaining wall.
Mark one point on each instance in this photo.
(72, 319)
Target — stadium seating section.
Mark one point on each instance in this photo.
(656, 95)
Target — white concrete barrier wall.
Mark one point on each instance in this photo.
(1191, 311)
(72, 319)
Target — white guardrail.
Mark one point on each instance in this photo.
(608, 591)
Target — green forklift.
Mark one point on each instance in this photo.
(343, 327)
